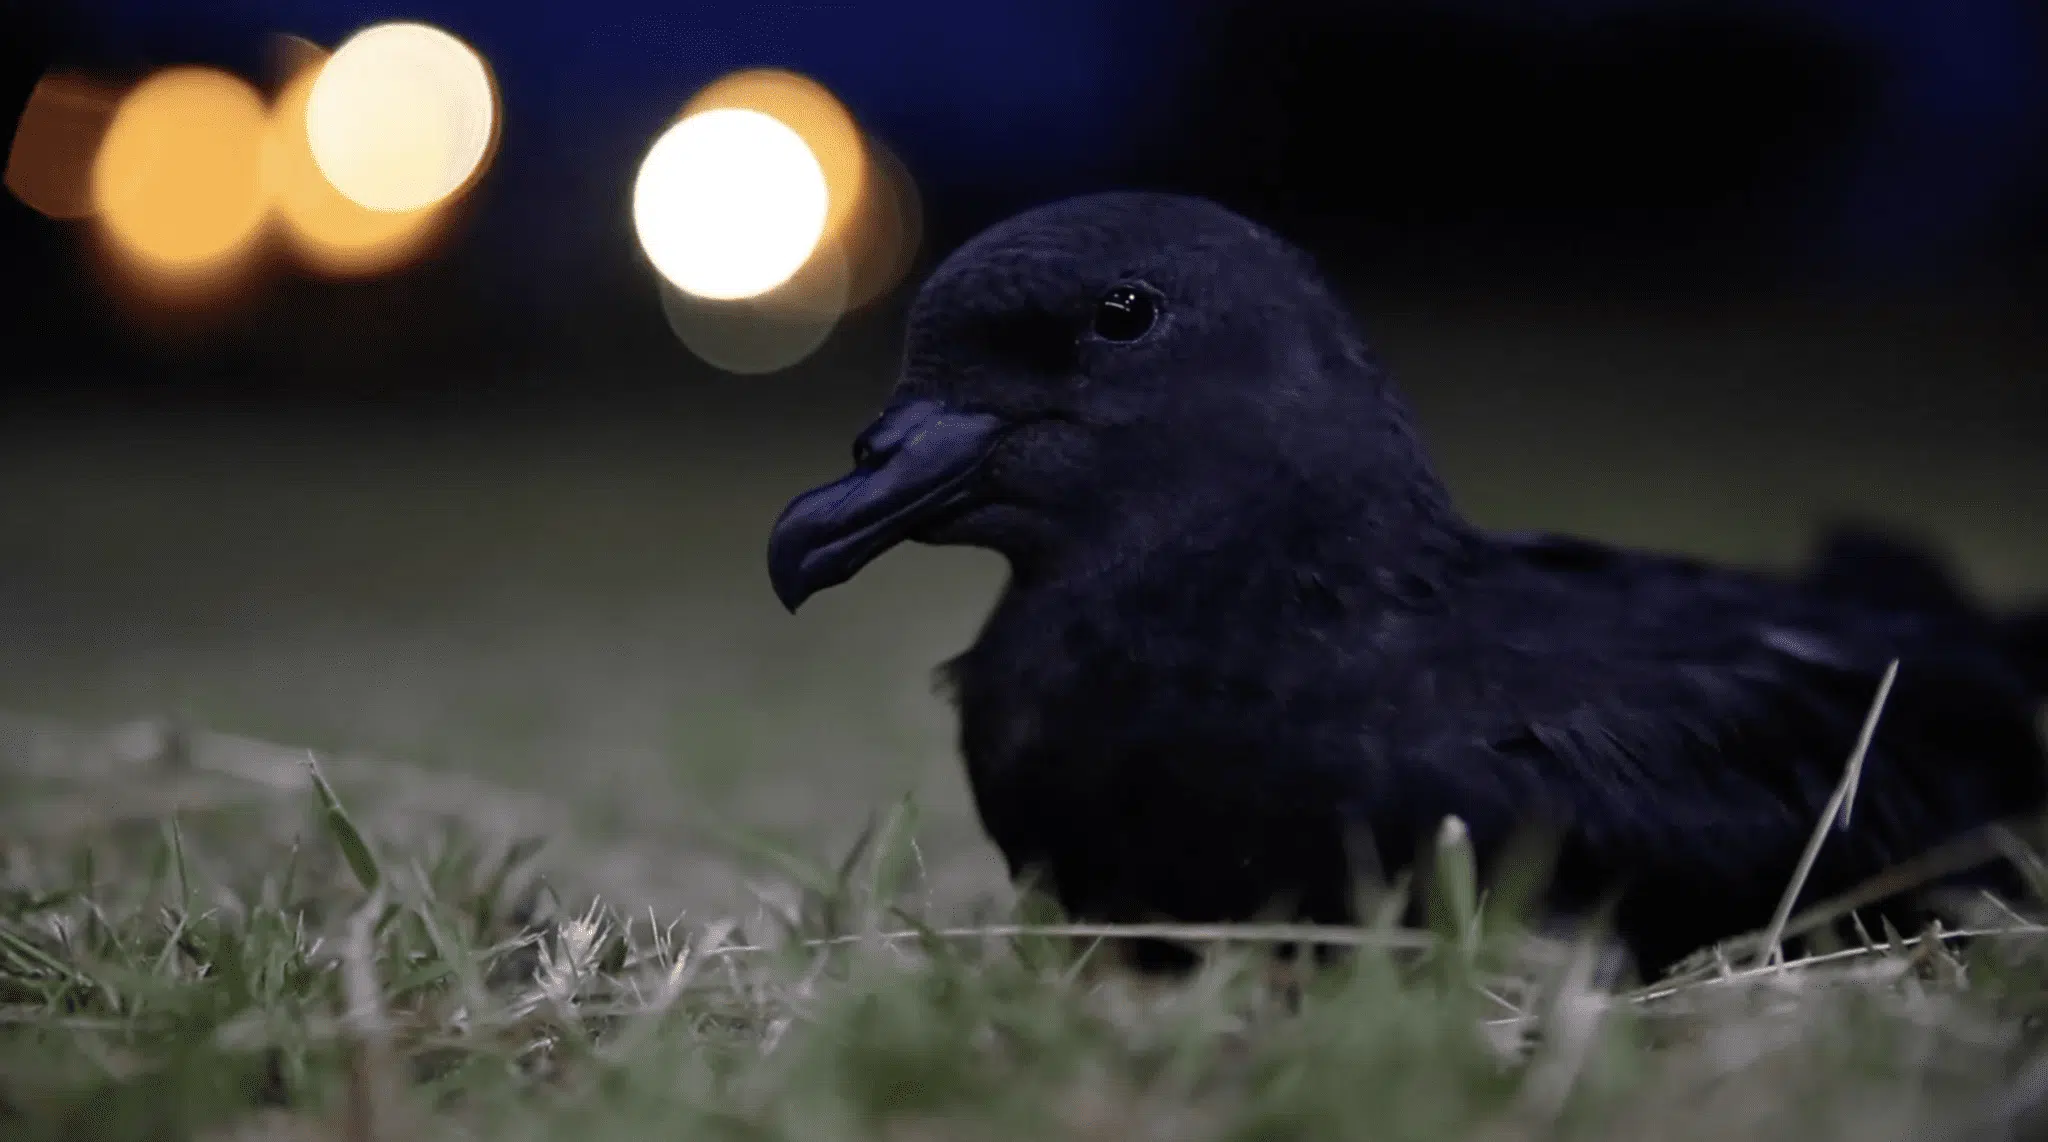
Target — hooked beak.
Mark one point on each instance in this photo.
(919, 460)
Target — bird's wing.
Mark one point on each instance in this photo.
(1680, 717)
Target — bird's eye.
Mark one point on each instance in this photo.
(863, 451)
(1124, 314)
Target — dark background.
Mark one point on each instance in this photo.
(1604, 152)
(1696, 275)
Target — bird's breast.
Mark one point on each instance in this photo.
(1147, 779)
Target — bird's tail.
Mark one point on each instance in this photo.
(2025, 641)
(1864, 562)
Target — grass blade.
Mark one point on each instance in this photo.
(1835, 815)
(354, 849)
(1454, 890)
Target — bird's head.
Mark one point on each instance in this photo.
(1102, 376)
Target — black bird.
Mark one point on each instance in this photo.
(1244, 622)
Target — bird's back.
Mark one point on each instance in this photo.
(1168, 753)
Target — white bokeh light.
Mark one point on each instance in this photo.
(729, 203)
(401, 116)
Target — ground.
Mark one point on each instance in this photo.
(488, 633)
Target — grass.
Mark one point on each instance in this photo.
(283, 960)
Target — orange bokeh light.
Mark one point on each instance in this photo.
(49, 164)
(329, 232)
(178, 181)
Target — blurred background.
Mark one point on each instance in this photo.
(465, 484)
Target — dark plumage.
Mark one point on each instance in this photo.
(1244, 622)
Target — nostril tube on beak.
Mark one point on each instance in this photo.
(917, 461)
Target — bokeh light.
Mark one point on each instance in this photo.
(401, 117)
(328, 231)
(746, 283)
(769, 331)
(729, 203)
(177, 182)
(49, 163)
(181, 172)
(883, 236)
(873, 214)
(803, 105)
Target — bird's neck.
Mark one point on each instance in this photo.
(1286, 551)
(1349, 506)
